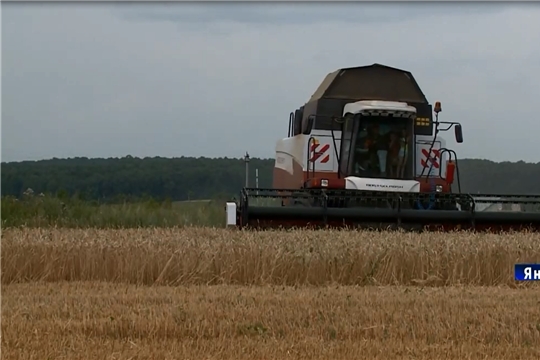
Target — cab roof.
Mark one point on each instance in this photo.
(371, 82)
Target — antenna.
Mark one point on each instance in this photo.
(246, 160)
(257, 178)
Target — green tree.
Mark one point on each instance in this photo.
(129, 178)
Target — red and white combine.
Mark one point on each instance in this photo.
(365, 151)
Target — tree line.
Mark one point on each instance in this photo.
(189, 178)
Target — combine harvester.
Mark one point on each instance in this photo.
(365, 152)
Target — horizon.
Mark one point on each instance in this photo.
(216, 158)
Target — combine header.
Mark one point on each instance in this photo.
(365, 152)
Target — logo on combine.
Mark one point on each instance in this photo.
(433, 159)
(319, 151)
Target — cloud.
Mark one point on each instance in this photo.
(96, 80)
(298, 13)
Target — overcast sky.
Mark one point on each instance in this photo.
(174, 79)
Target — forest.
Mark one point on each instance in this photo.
(189, 178)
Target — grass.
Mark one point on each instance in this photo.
(202, 293)
(36, 211)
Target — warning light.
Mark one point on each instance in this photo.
(437, 107)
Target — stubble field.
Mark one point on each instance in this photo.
(218, 294)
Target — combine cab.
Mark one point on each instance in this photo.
(365, 152)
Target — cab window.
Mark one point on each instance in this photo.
(382, 147)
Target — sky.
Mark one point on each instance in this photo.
(185, 79)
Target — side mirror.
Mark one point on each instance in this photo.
(459, 133)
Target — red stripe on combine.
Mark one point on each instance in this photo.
(320, 153)
(433, 158)
(325, 159)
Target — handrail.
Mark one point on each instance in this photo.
(291, 125)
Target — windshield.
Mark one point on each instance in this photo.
(382, 148)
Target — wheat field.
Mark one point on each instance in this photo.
(201, 293)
